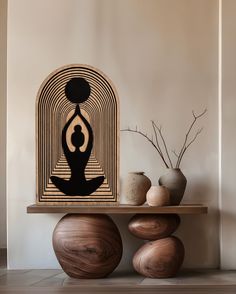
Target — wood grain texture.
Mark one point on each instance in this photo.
(87, 246)
(153, 227)
(118, 209)
(159, 259)
(53, 110)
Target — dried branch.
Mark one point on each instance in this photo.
(151, 141)
(158, 130)
(174, 152)
(194, 138)
(157, 142)
(164, 143)
(183, 149)
(186, 147)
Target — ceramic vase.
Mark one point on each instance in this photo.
(136, 187)
(158, 196)
(175, 181)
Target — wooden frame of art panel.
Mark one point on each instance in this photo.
(77, 138)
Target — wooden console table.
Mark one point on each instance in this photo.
(88, 244)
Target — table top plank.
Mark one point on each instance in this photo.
(118, 209)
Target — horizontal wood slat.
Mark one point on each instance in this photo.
(118, 209)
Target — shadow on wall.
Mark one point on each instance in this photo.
(228, 223)
(130, 243)
(196, 230)
(193, 231)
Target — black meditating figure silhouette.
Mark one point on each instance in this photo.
(77, 90)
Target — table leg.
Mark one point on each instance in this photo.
(87, 245)
(164, 254)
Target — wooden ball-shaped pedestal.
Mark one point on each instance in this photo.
(159, 259)
(153, 226)
(87, 246)
(163, 257)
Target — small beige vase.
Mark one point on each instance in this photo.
(158, 196)
(135, 188)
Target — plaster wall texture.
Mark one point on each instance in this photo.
(228, 199)
(3, 113)
(162, 57)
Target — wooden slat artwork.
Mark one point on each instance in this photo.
(89, 127)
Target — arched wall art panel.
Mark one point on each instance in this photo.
(77, 127)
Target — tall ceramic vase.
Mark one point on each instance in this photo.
(136, 187)
(176, 182)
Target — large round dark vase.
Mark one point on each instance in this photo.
(87, 246)
(176, 182)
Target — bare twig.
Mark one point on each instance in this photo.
(182, 151)
(151, 141)
(158, 130)
(194, 138)
(157, 142)
(174, 152)
(164, 143)
(186, 147)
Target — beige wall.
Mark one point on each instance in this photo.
(3, 99)
(228, 206)
(162, 57)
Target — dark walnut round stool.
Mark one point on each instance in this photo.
(164, 255)
(87, 246)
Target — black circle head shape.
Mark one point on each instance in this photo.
(77, 90)
(77, 128)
